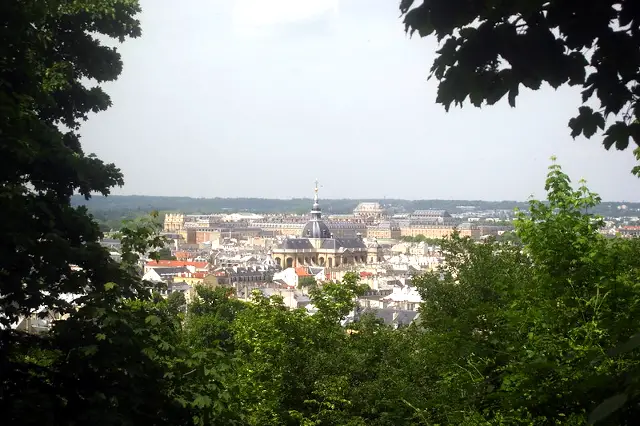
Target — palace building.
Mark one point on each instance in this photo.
(317, 246)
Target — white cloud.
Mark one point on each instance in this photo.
(260, 17)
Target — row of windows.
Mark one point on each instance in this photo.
(322, 262)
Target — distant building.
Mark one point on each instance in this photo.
(173, 222)
(369, 210)
(384, 230)
(339, 229)
(317, 246)
(629, 231)
(189, 266)
(431, 216)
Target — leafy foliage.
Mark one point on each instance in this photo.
(176, 302)
(48, 50)
(529, 326)
(489, 49)
(420, 239)
(117, 358)
(307, 282)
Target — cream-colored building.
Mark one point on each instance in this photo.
(173, 222)
(339, 229)
(369, 210)
(440, 231)
(384, 230)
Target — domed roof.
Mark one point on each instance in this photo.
(316, 228)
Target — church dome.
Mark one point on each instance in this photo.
(316, 228)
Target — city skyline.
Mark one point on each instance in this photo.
(224, 99)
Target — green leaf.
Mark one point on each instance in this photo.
(152, 320)
(89, 350)
(606, 408)
(617, 134)
(202, 401)
(587, 122)
(627, 346)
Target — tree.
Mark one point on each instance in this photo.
(209, 318)
(273, 344)
(335, 300)
(522, 335)
(465, 315)
(307, 282)
(420, 238)
(107, 363)
(176, 302)
(509, 237)
(165, 254)
(296, 368)
(489, 49)
(49, 51)
(116, 358)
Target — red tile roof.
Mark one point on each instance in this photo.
(301, 271)
(177, 264)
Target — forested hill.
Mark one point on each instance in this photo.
(267, 205)
(295, 205)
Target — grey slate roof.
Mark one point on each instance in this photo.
(327, 243)
(181, 286)
(336, 243)
(316, 228)
(296, 244)
(431, 213)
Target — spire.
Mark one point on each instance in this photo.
(315, 210)
(315, 227)
(315, 195)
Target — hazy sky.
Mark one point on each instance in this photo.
(257, 98)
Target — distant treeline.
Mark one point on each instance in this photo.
(117, 207)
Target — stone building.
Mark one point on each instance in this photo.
(369, 210)
(317, 246)
(339, 229)
(410, 229)
(173, 222)
(431, 216)
(384, 230)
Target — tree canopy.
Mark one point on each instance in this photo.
(489, 50)
(307, 282)
(106, 362)
(50, 51)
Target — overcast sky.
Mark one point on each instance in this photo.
(257, 98)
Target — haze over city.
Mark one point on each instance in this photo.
(232, 99)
